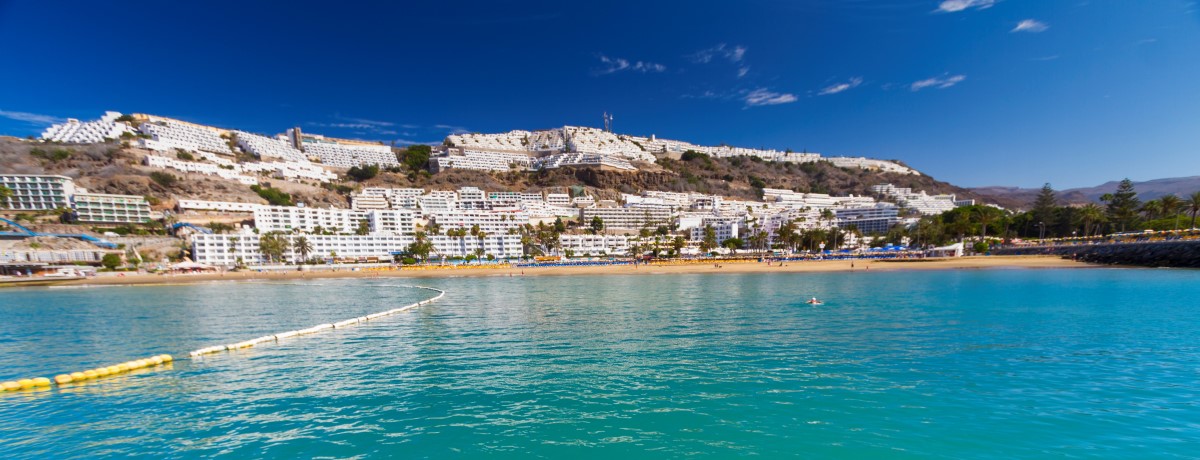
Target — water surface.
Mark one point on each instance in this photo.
(945, 364)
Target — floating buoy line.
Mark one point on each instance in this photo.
(161, 360)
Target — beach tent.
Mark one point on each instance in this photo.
(954, 250)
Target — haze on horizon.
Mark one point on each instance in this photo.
(974, 92)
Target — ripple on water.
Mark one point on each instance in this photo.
(989, 364)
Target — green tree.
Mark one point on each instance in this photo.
(273, 245)
(111, 261)
(1152, 209)
(709, 241)
(421, 246)
(787, 235)
(1045, 207)
(597, 224)
(1192, 204)
(1171, 205)
(1088, 215)
(415, 157)
(364, 173)
(677, 245)
(304, 247)
(559, 225)
(1122, 208)
(364, 228)
(733, 244)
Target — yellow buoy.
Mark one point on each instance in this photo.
(156, 360)
(26, 383)
(63, 379)
(90, 374)
(41, 382)
(166, 358)
(113, 370)
(101, 371)
(11, 386)
(78, 376)
(123, 367)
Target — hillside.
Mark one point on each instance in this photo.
(1018, 198)
(107, 168)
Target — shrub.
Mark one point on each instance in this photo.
(274, 196)
(162, 178)
(363, 173)
(185, 156)
(111, 261)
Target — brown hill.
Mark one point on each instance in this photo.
(108, 168)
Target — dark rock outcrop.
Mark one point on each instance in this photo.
(1184, 254)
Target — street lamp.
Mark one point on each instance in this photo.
(1041, 230)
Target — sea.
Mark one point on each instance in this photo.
(1000, 363)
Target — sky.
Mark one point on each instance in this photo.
(973, 92)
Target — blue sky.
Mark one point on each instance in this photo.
(975, 92)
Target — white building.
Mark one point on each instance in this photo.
(625, 218)
(365, 201)
(392, 221)
(307, 220)
(595, 245)
(33, 192)
(228, 250)
(167, 135)
(919, 201)
(340, 155)
(219, 206)
(89, 132)
(874, 219)
(101, 208)
(266, 147)
(490, 222)
(480, 160)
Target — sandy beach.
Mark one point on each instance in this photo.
(963, 263)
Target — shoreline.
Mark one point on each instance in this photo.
(816, 266)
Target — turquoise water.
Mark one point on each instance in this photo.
(962, 364)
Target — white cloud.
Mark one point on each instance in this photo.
(954, 6)
(1031, 26)
(942, 82)
(733, 54)
(839, 87)
(367, 122)
(742, 71)
(31, 118)
(614, 65)
(763, 96)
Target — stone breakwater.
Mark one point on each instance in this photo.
(1185, 254)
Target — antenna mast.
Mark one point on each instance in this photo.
(608, 122)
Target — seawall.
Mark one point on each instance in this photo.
(1185, 254)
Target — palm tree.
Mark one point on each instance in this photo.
(303, 246)
(1193, 206)
(985, 214)
(1152, 209)
(1171, 205)
(1089, 214)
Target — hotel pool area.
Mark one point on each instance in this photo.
(938, 364)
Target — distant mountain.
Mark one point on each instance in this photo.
(1022, 198)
